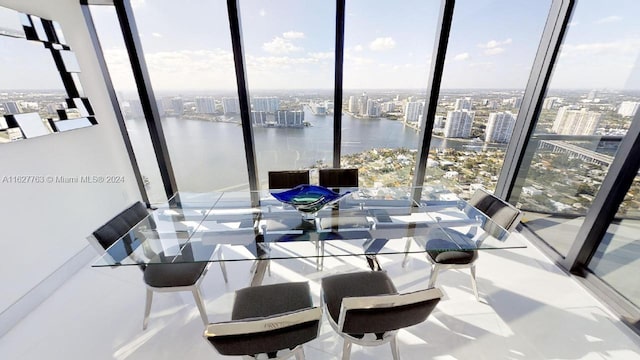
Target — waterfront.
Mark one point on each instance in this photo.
(209, 155)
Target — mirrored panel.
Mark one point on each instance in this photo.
(40, 83)
(10, 24)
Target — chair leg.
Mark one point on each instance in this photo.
(395, 352)
(407, 246)
(474, 284)
(147, 309)
(223, 267)
(435, 269)
(198, 298)
(346, 350)
(320, 254)
(299, 353)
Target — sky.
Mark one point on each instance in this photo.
(289, 44)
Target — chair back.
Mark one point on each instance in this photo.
(265, 335)
(378, 314)
(288, 179)
(120, 225)
(335, 178)
(501, 212)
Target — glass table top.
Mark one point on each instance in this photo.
(229, 226)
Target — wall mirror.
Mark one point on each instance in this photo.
(40, 92)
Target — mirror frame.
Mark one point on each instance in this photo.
(49, 33)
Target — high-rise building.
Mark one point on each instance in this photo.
(388, 107)
(413, 111)
(289, 118)
(576, 122)
(269, 104)
(258, 117)
(458, 124)
(230, 105)
(463, 104)
(362, 104)
(628, 108)
(205, 105)
(514, 102)
(592, 95)
(549, 102)
(177, 106)
(373, 108)
(353, 105)
(500, 127)
(11, 107)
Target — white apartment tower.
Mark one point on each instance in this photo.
(353, 104)
(500, 127)
(463, 104)
(362, 104)
(205, 105)
(549, 103)
(230, 105)
(269, 104)
(628, 108)
(576, 122)
(458, 124)
(413, 111)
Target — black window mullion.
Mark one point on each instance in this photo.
(443, 29)
(114, 100)
(145, 91)
(235, 27)
(615, 185)
(337, 87)
(517, 157)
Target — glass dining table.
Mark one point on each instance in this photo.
(245, 226)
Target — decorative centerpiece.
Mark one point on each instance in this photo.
(309, 199)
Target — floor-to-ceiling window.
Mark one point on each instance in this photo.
(289, 56)
(585, 114)
(187, 50)
(387, 50)
(617, 258)
(492, 46)
(117, 60)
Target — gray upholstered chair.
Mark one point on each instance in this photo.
(338, 178)
(172, 275)
(501, 213)
(275, 320)
(365, 308)
(288, 179)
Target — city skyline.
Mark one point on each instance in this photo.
(493, 40)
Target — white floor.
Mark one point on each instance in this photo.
(530, 310)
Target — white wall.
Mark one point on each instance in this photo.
(44, 225)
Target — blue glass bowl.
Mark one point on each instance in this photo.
(309, 198)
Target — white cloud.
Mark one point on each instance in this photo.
(462, 57)
(351, 60)
(382, 44)
(494, 51)
(262, 12)
(618, 47)
(293, 35)
(280, 46)
(322, 55)
(574, 23)
(155, 34)
(358, 48)
(608, 19)
(495, 43)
